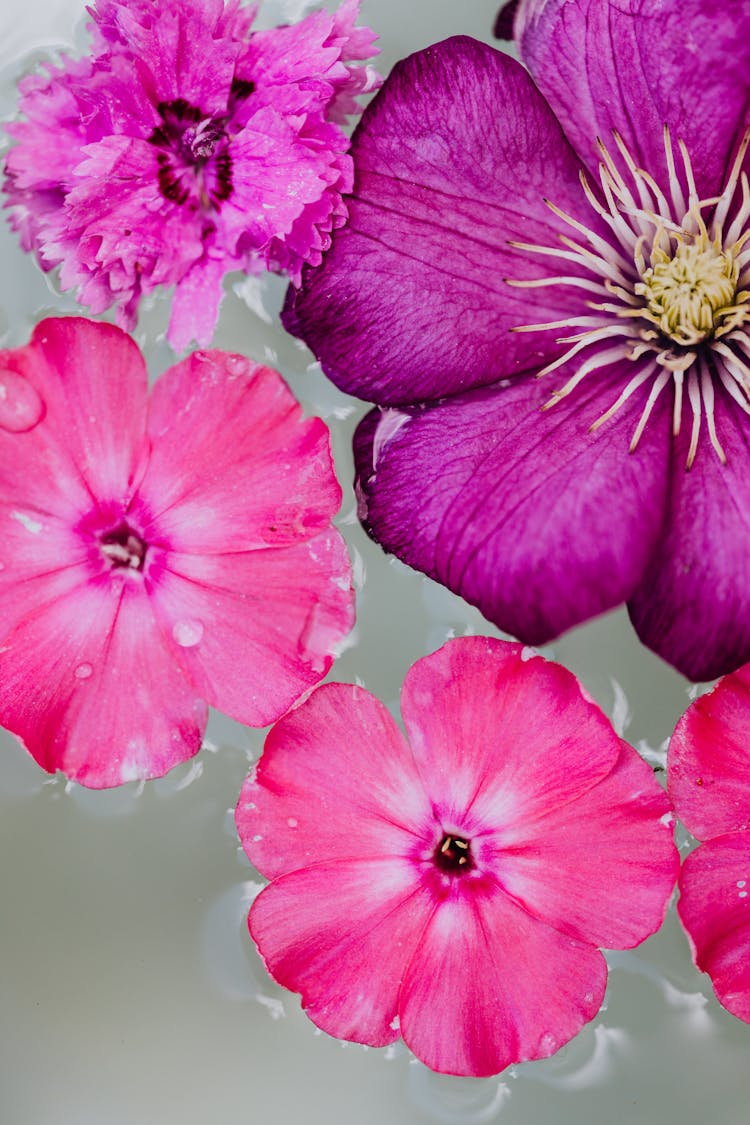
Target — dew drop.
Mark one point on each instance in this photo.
(187, 633)
(292, 821)
(84, 672)
(21, 407)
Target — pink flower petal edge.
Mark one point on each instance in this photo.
(160, 553)
(433, 887)
(709, 782)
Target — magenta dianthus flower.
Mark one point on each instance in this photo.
(545, 286)
(709, 782)
(186, 146)
(160, 552)
(454, 888)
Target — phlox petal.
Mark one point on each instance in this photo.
(600, 868)
(489, 985)
(290, 815)
(714, 907)
(324, 929)
(233, 463)
(256, 629)
(89, 686)
(709, 760)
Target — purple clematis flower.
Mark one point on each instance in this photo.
(545, 286)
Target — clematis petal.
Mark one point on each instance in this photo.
(411, 301)
(501, 735)
(635, 66)
(342, 934)
(601, 868)
(489, 986)
(269, 481)
(290, 815)
(91, 688)
(692, 606)
(714, 907)
(524, 513)
(709, 760)
(254, 630)
(78, 451)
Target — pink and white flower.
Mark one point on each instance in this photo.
(186, 146)
(453, 889)
(158, 553)
(709, 782)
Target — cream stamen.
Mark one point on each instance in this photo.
(676, 288)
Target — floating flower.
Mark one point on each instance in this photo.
(184, 147)
(158, 554)
(709, 781)
(454, 889)
(545, 285)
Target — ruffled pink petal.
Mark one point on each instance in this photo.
(714, 907)
(601, 868)
(254, 630)
(489, 986)
(234, 465)
(692, 606)
(708, 760)
(342, 934)
(501, 736)
(92, 689)
(524, 513)
(90, 431)
(453, 158)
(634, 66)
(336, 781)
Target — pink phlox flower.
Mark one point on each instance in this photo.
(160, 552)
(184, 147)
(454, 888)
(709, 782)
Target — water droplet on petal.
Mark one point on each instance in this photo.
(21, 406)
(84, 672)
(292, 821)
(187, 633)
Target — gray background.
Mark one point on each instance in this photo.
(129, 992)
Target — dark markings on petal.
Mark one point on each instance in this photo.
(170, 185)
(240, 89)
(223, 170)
(180, 110)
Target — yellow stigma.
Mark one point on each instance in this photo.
(691, 290)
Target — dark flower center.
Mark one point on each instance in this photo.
(453, 855)
(123, 548)
(193, 158)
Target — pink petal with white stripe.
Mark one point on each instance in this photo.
(489, 986)
(290, 815)
(91, 380)
(602, 867)
(267, 480)
(254, 630)
(90, 687)
(341, 933)
(501, 735)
